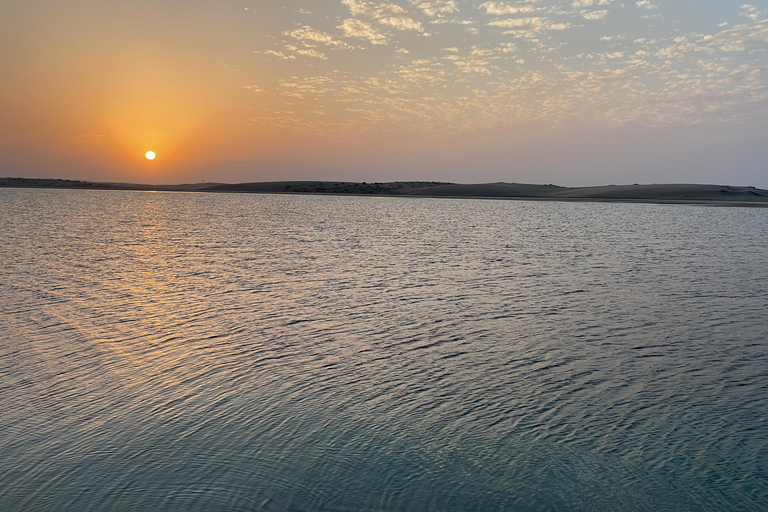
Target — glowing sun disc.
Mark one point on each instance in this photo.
(150, 155)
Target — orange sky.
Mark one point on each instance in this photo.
(570, 92)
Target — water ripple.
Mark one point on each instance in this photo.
(245, 352)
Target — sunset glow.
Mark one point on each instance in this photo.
(563, 91)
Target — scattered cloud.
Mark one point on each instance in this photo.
(279, 55)
(309, 52)
(751, 12)
(438, 8)
(594, 15)
(307, 33)
(356, 28)
(515, 61)
(534, 24)
(646, 4)
(590, 3)
(500, 8)
(384, 13)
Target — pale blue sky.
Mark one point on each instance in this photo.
(570, 92)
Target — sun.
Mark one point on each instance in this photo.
(150, 155)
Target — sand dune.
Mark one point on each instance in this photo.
(656, 193)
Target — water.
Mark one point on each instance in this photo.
(169, 351)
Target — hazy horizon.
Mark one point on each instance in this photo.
(574, 93)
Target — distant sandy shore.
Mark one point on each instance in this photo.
(717, 195)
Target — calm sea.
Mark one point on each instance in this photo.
(220, 352)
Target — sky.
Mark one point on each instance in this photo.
(576, 93)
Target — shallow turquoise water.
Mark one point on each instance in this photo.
(253, 352)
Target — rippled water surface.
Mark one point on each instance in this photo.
(173, 352)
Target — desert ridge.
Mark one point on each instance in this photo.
(653, 193)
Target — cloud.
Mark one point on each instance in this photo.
(422, 70)
(455, 21)
(473, 66)
(750, 11)
(401, 23)
(474, 81)
(438, 8)
(646, 4)
(307, 33)
(279, 55)
(384, 13)
(357, 28)
(737, 39)
(499, 8)
(309, 52)
(589, 3)
(594, 15)
(359, 8)
(508, 48)
(535, 24)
